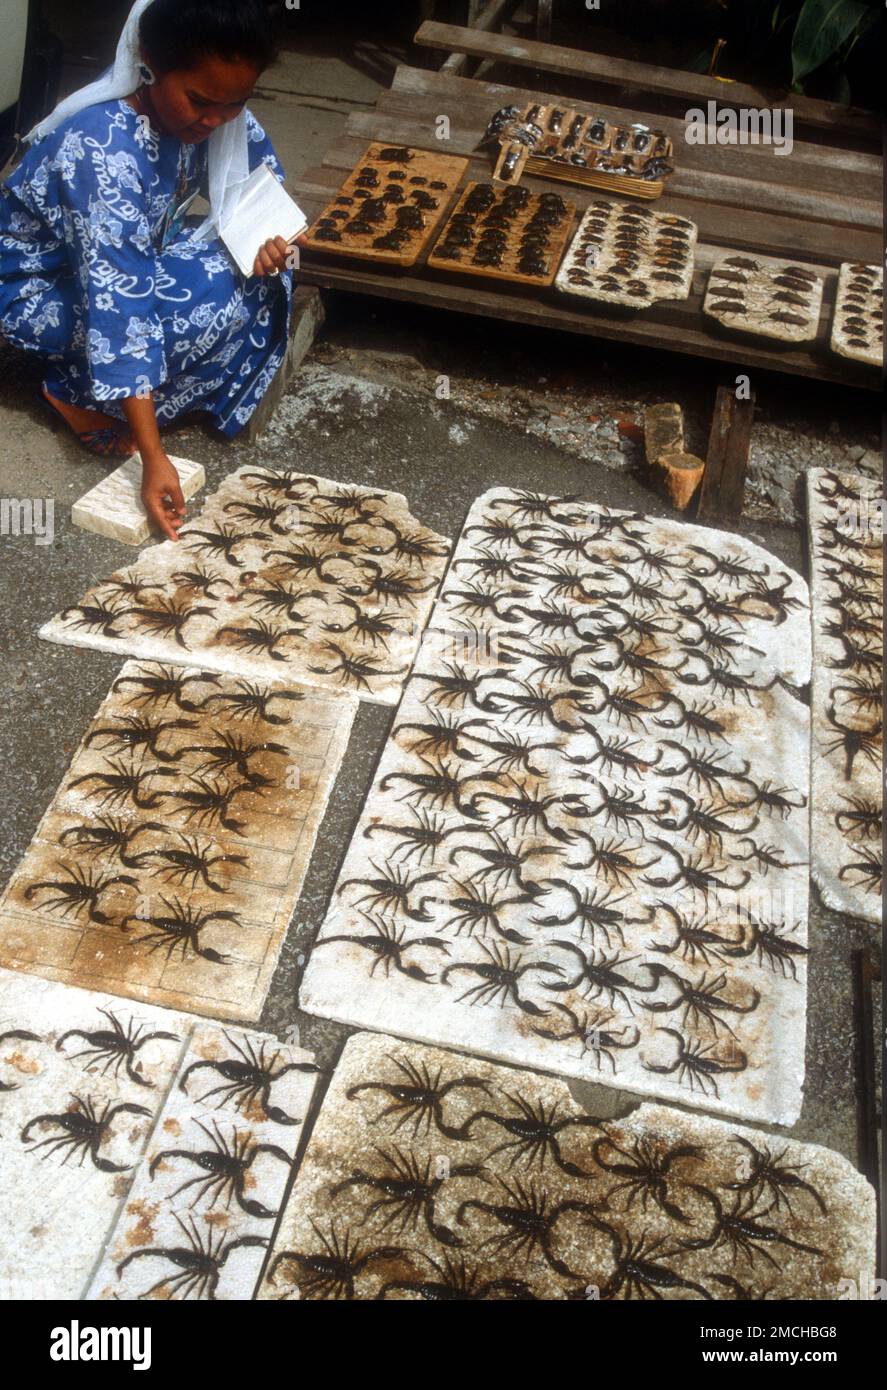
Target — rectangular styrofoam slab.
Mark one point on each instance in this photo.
(858, 323)
(114, 506)
(431, 1176)
(214, 1175)
(169, 862)
(590, 819)
(93, 1089)
(758, 294)
(846, 550)
(660, 248)
(280, 574)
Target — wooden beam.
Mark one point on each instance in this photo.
(726, 463)
(482, 22)
(605, 70)
(543, 20)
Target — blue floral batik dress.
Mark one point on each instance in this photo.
(101, 278)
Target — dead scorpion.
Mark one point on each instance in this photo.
(200, 581)
(165, 687)
(409, 1191)
(456, 1283)
(232, 753)
(645, 1172)
(389, 946)
(854, 743)
(769, 1176)
(869, 867)
(261, 637)
(167, 619)
(335, 1269)
(863, 817)
(638, 1267)
(419, 1097)
(698, 874)
(179, 930)
(83, 1129)
(595, 1033)
(500, 862)
(774, 948)
(375, 628)
(225, 1168)
(613, 859)
(741, 1231)
(528, 1221)
(133, 732)
(208, 802)
(700, 769)
(360, 669)
(419, 840)
(189, 862)
(699, 999)
(303, 560)
(108, 835)
(249, 701)
(391, 890)
(266, 513)
(201, 1262)
(117, 1045)
(248, 1077)
(594, 910)
(476, 908)
(457, 686)
(94, 615)
(80, 892)
(770, 798)
(694, 938)
(222, 542)
(600, 975)
(529, 811)
(702, 819)
(397, 585)
(534, 1132)
(500, 973)
(277, 599)
(695, 1061)
(439, 786)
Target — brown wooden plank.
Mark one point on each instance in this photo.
(726, 462)
(470, 103)
(740, 228)
(607, 70)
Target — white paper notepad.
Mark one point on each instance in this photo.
(264, 209)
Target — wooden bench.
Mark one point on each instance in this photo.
(818, 206)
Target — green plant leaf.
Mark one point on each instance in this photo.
(823, 27)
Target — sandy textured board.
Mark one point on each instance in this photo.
(281, 575)
(586, 846)
(114, 506)
(92, 1090)
(432, 1176)
(468, 244)
(846, 539)
(758, 294)
(214, 1175)
(389, 205)
(858, 323)
(168, 864)
(627, 255)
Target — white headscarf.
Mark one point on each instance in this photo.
(228, 158)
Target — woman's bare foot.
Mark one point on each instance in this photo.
(81, 420)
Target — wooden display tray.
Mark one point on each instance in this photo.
(426, 164)
(554, 252)
(873, 353)
(532, 162)
(655, 227)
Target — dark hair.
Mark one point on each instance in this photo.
(176, 34)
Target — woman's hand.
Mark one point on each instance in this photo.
(162, 495)
(272, 257)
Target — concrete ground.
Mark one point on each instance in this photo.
(524, 410)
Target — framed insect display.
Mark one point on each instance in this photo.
(624, 254)
(435, 1177)
(505, 234)
(845, 513)
(858, 321)
(592, 813)
(168, 864)
(389, 205)
(771, 298)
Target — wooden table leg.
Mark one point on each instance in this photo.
(723, 482)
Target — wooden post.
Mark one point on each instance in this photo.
(543, 21)
(485, 21)
(723, 483)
